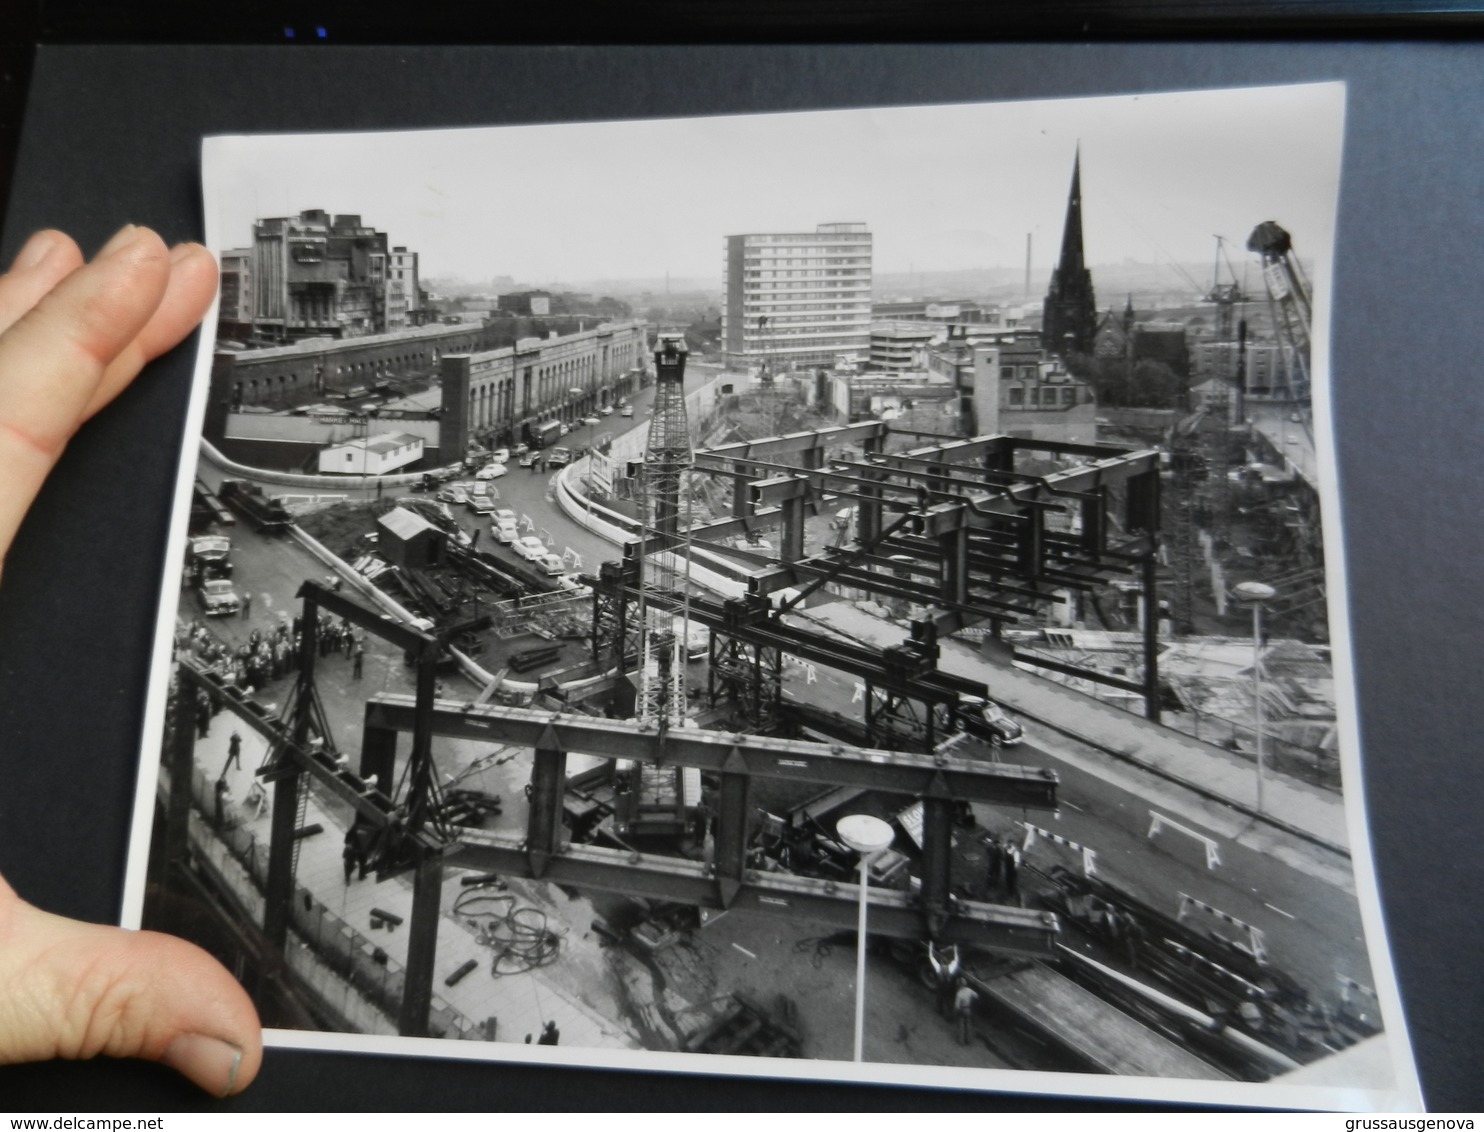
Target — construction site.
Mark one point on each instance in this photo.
(615, 820)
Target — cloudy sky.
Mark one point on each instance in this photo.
(941, 187)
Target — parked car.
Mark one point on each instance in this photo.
(606, 411)
(559, 457)
(490, 472)
(218, 598)
(482, 504)
(570, 583)
(504, 515)
(550, 563)
(505, 532)
(457, 493)
(529, 547)
(592, 420)
(985, 720)
(626, 410)
(500, 456)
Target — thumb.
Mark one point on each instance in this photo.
(75, 990)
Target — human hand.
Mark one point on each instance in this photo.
(72, 335)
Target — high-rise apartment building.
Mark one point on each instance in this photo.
(797, 299)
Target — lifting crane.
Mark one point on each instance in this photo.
(1290, 299)
(657, 799)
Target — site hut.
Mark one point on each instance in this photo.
(372, 455)
(408, 541)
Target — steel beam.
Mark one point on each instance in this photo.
(768, 447)
(1013, 931)
(892, 772)
(422, 947)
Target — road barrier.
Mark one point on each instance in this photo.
(1158, 821)
(1255, 946)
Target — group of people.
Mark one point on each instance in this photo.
(268, 655)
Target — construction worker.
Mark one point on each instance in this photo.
(945, 973)
(234, 753)
(964, 998)
(550, 1035)
(994, 857)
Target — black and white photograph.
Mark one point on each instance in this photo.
(849, 595)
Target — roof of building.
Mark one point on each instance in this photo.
(382, 442)
(404, 524)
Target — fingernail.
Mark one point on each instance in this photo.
(121, 239)
(36, 249)
(180, 251)
(210, 1062)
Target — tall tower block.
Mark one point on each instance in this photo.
(1069, 314)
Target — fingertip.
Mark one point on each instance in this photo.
(35, 251)
(213, 1064)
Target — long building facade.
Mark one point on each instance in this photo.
(797, 300)
(278, 406)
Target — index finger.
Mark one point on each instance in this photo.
(54, 359)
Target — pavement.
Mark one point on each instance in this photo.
(1298, 808)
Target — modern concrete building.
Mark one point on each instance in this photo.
(902, 344)
(797, 299)
(317, 275)
(234, 314)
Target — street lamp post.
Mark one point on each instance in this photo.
(869, 837)
(1256, 594)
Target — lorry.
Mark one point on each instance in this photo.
(209, 556)
(542, 434)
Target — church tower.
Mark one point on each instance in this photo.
(1069, 314)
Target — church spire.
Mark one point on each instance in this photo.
(1069, 315)
(1071, 234)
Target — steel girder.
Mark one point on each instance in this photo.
(1013, 931)
(719, 752)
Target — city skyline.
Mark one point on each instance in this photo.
(942, 188)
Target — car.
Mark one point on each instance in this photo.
(490, 472)
(482, 504)
(458, 493)
(569, 583)
(505, 533)
(592, 420)
(529, 547)
(985, 720)
(500, 456)
(626, 410)
(549, 563)
(504, 515)
(218, 598)
(527, 459)
(559, 457)
(606, 411)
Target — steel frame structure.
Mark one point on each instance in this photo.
(953, 527)
(403, 811)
